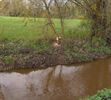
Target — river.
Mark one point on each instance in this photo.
(56, 83)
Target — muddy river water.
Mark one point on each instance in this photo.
(57, 83)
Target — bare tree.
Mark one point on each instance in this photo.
(48, 15)
(59, 6)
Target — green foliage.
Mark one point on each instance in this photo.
(99, 45)
(41, 46)
(82, 50)
(104, 94)
(8, 59)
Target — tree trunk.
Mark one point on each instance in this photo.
(99, 19)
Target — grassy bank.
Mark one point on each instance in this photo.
(27, 43)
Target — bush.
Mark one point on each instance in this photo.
(104, 94)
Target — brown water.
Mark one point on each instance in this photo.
(59, 83)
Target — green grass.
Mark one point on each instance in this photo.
(14, 28)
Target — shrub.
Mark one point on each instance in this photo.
(104, 94)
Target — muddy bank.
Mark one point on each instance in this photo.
(44, 60)
(16, 55)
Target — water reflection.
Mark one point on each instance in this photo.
(59, 83)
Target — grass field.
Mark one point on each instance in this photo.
(16, 28)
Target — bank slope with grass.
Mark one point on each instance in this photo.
(25, 43)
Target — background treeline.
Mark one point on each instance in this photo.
(35, 8)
